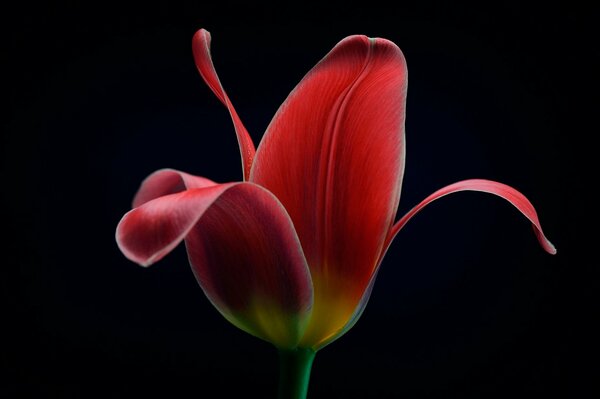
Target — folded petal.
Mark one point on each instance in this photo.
(334, 156)
(167, 181)
(243, 250)
(203, 59)
(487, 186)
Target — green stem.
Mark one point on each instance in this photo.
(294, 372)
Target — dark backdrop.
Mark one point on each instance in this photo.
(467, 305)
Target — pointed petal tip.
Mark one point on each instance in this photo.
(544, 242)
(202, 35)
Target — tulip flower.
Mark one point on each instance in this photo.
(290, 253)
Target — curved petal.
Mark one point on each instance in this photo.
(243, 250)
(203, 59)
(487, 186)
(334, 156)
(167, 181)
(502, 190)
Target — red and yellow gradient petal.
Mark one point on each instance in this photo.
(334, 156)
(516, 198)
(243, 249)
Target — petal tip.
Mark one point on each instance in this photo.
(549, 247)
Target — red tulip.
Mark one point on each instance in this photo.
(291, 253)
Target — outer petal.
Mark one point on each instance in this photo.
(487, 186)
(492, 187)
(201, 50)
(334, 156)
(243, 249)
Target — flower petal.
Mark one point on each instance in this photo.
(334, 156)
(243, 250)
(203, 59)
(502, 190)
(167, 181)
(487, 186)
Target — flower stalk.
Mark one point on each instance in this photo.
(294, 372)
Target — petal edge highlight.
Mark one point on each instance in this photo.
(167, 181)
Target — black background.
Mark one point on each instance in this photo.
(467, 305)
